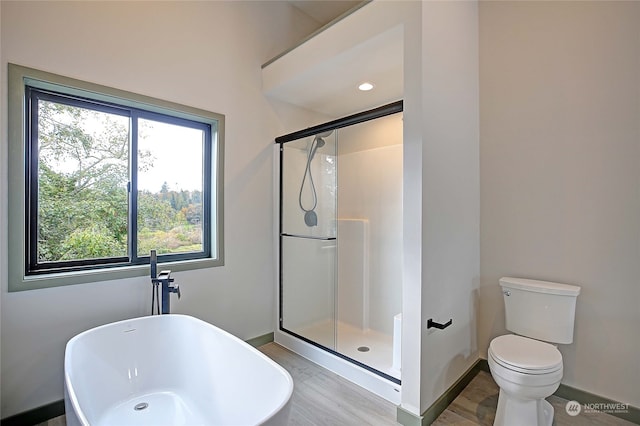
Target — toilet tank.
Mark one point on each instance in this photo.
(541, 310)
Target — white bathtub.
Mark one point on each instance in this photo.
(171, 370)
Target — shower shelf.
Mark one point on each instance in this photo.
(310, 237)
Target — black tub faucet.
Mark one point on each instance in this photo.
(165, 280)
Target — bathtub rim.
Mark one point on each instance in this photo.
(73, 399)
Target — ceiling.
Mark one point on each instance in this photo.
(331, 86)
(324, 11)
(323, 73)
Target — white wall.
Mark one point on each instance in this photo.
(412, 288)
(202, 54)
(450, 192)
(560, 161)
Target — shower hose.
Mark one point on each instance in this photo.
(310, 217)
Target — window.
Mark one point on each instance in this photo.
(108, 176)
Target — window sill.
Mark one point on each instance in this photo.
(34, 282)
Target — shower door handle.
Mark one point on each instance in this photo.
(432, 324)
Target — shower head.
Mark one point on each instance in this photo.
(320, 138)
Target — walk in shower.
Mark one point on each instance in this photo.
(341, 237)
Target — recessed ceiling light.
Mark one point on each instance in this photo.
(366, 86)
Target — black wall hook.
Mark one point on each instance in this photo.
(432, 324)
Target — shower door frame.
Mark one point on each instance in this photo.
(361, 117)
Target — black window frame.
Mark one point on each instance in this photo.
(134, 113)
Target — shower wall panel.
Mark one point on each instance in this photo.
(353, 272)
(370, 190)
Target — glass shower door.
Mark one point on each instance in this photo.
(308, 232)
(341, 238)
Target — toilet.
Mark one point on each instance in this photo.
(527, 366)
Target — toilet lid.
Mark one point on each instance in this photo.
(524, 354)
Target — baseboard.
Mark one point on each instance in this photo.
(35, 416)
(593, 402)
(56, 409)
(406, 418)
(483, 364)
(261, 340)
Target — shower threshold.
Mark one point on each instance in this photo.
(369, 347)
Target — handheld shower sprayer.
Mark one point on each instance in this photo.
(310, 216)
(318, 142)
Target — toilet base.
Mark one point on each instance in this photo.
(512, 411)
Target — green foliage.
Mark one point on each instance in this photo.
(181, 239)
(82, 191)
(164, 227)
(91, 243)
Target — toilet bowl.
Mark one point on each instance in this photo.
(525, 367)
(527, 371)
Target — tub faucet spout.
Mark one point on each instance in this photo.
(165, 280)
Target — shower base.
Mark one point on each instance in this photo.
(369, 347)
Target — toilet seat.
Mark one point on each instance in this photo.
(525, 355)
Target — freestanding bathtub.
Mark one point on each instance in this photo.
(171, 370)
